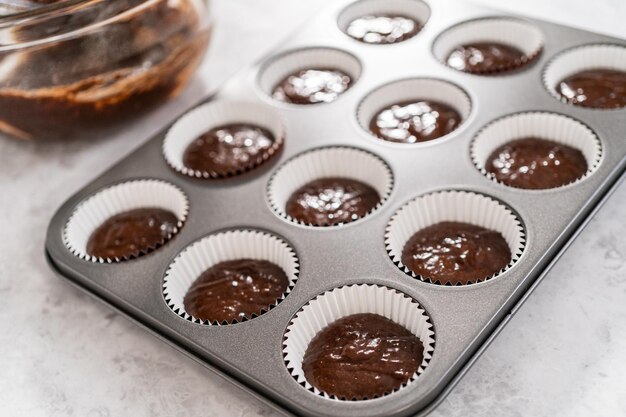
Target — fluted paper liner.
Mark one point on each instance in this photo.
(211, 115)
(543, 125)
(453, 206)
(414, 9)
(280, 67)
(116, 199)
(583, 58)
(225, 246)
(505, 30)
(341, 302)
(320, 163)
(413, 89)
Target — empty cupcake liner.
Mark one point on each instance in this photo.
(582, 58)
(453, 206)
(116, 199)
(220, 247)
(343, 162)
(414, 9)
(549, 126)
(280, 67)
(344, 301)
(211, 115)
(413, 89)
(509, 31)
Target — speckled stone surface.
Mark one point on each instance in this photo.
(63, 354)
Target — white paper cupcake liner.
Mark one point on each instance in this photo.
(131, 195)
(582, 58)
(280, 67)
(509, 31)
(414, 9)
(413, 89)
(211, 115)
(342, 162)
(543, 125)
(453, 206)
(221, 247)
(341, 302)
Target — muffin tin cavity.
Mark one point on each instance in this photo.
(121, 198)
(549, 126)
(222, 247)
(398, 98)
(345, 301)
(453, 206)
(279, 68)
(406, 18)
(507, 32)
(218, 114)
(585, 58)
(331, 162)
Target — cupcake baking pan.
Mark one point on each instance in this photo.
(458, 321)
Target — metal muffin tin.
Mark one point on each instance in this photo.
(465, 318)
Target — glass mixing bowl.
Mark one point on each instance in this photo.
(70, 66)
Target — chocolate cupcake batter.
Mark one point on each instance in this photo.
(62, 90)
(229, 149)
(456, 253)
(415, 121)
(132, 233)
(486, 57)
(362, 356)
(332, 201)
(234, 290)
(312, 86)
(383, 29)
(595, 88)
(536, 164)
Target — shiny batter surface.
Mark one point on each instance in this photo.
(362, 356)
(456, 253)
(415, 121)
(485, 57)
(534, 163)
(596, 88)
(234, 290)
(331, 201)
(132, 233)
(382, 29)
(312, 86)
(228, 149)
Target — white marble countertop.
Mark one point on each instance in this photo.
(65, 355)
